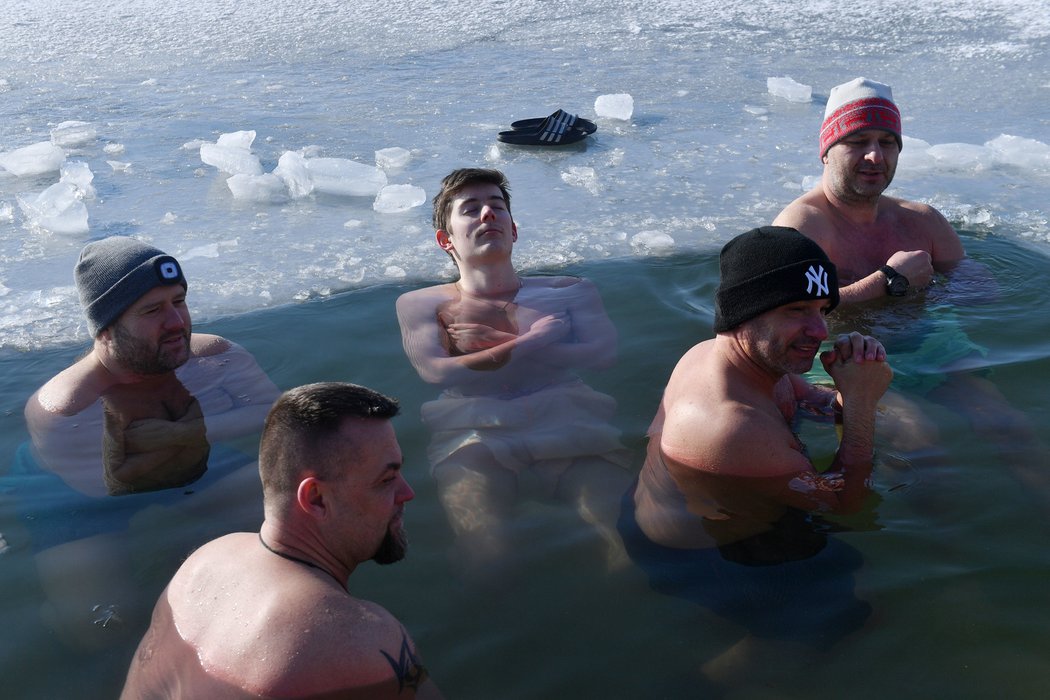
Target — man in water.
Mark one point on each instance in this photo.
(268, 614)
(722, 511)
(886, 247)
(505, 349)
(881, 245)
(135, 418)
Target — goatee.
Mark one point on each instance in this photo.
(392, 548)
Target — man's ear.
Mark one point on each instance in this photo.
(105, 337)
(310, 497)
(444, 241)
(513, 231)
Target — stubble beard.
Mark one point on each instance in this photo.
(778, 361)
(775, 354)
(847, 187)
(141, 357)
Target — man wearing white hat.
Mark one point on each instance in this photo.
(886, 246)
(881, 245)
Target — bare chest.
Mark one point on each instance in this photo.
(861, 251)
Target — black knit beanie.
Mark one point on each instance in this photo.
(768, 267)
(114, 273)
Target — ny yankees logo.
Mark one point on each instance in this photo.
(817, 277)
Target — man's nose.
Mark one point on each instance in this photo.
(817, 327)
(173, 317)
(874, 153)
(487, 213)
(406, 493)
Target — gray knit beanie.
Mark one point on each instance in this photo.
(112, 274)
(768, 267)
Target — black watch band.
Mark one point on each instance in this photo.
(896, 283)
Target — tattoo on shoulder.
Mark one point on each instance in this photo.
(410, 673)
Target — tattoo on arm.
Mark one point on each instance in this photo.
(410, 673)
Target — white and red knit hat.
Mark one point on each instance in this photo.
(857, 105)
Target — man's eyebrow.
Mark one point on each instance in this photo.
(475, 200)
(145, 306)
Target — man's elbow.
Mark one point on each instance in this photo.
(432, 375)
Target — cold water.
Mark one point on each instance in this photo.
(955, 561)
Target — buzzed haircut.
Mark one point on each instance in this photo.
(300, 425)
(456, 181)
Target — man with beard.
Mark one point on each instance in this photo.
(723, 510)
(149, 415)
(268, 614)
(881, 245)
(161, 391)
(887, 248)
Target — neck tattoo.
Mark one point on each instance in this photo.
(298, 560)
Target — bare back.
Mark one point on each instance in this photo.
(272, 628)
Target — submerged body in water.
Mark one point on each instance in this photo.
(506, 350)
(719, 541)
(922, 593)
(957, 568)
(129, 430)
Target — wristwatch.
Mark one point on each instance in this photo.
(896, 283)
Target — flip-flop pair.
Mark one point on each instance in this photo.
(558, 129)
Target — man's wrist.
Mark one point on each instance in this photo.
(896, 283)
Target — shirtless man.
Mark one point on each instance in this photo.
(881, 245)
(137, 417)
(268, 614)
(505, 349)
(722, 507)
(886, 246)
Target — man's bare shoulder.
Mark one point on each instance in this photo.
(810, 214)
(558, 281)
(694, 404)
(916, 213)
(814, 198)
(577, 293)
(279, 627)
(70, 391)
(713, 434)
(427, 296)
(715, 422)
(78, 386)
(927, 225)
(335, 642)
(207, 345)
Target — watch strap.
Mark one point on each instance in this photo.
(893, 288)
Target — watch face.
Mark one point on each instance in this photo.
(897, 286)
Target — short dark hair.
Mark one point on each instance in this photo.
(456, 181)
(300, 425)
